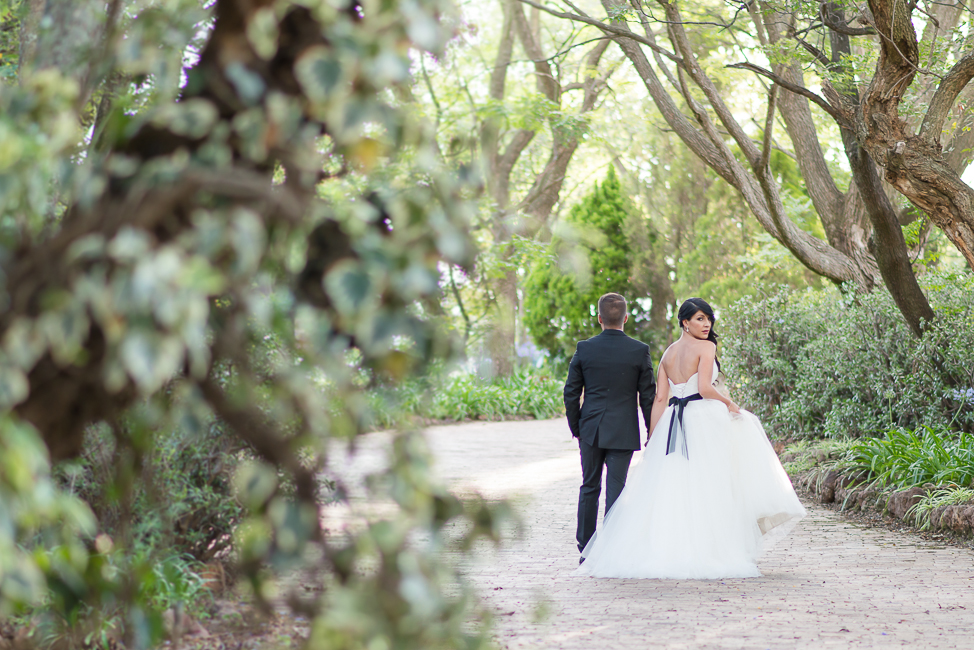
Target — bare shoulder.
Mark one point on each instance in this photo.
(668, 353)
(706, 349)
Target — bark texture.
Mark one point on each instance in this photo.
(915, 164)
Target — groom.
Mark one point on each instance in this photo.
(614, 370)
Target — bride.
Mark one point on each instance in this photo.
(703, 500)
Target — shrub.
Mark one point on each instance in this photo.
(563, 286)
(529, 392)
(183, 502)
(838, 364)
(904, 458)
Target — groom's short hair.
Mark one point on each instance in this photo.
(612, 309)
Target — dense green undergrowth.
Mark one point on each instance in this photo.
(529, 392)
(831, 364)
(903, 458)
(937, 459)
(896, 460)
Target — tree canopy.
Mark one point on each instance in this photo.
(885, 75)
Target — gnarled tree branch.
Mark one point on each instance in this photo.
(943, 100)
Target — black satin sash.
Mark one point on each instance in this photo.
(676, 422)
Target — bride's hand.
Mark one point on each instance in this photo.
(734, 408)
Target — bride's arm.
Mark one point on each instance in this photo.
(705, 371)
(659, 403)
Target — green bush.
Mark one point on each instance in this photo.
(826, 363)
(183, 503)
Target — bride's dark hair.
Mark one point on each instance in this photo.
(690, 307)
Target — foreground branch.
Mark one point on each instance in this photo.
(253, 427)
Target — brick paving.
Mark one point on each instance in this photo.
(829, 584)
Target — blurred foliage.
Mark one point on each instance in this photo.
(43, 528)
(828, 363)
(207, 211)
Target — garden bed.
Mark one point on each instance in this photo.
(939, 512)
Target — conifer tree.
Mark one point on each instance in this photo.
(561, 299)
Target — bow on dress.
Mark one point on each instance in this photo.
(676, 422)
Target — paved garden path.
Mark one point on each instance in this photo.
(829, 584)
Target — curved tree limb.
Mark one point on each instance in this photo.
(544, 192)
(943, 100)
(914, 165)
(548, 84)
(252, 426)
(838, 115)
(605, 27)
(682, 45)
(837, 24)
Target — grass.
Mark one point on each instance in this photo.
(812, 454)
(952, 495)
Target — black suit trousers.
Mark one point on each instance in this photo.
(616, 462)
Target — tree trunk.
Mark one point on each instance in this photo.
(915, 164)
(529, 214)
(889, 246)
(503, 335)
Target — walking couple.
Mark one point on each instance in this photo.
(706, 493)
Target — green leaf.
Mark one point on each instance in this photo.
(320, 72)
(349, 286)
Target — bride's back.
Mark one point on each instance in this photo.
(682, 359)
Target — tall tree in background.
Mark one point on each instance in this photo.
(501, 149)
(523, 127)
(562, 291)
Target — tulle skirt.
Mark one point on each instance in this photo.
(705, 516)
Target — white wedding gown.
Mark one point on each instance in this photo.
(706, 510)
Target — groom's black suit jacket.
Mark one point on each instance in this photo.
(613, 369)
